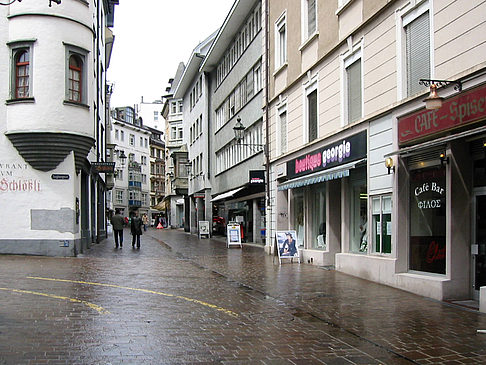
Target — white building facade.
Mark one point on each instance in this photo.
(53, 125)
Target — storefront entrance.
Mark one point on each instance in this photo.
(478, 248)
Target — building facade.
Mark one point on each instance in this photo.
(53, 125)
(192, 89)
(345, 96)
(130, 150)
(157, 177)
(175, 155)
(233, 68)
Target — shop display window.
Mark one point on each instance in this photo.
(317, 200)
(428, 220)
(298, 214)
(359, 212)
(381, 223)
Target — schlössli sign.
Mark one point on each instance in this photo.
(341, 152)
(462, 109)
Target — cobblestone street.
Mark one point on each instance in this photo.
(181, 300)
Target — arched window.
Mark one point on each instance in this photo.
(75, 79)
(22, 74)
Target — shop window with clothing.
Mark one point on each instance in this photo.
(298, 214)
(428, 220)
(317, 200)
(358, 242)
(381, 223)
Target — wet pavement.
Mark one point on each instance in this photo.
(184, 300)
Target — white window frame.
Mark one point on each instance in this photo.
(305, 21)
(405, 16)
(281, 46)
(310, 86)
(354, 54)
(131, 140)
(281, 148)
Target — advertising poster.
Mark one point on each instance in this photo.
(286, 242)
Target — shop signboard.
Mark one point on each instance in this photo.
(428, 220)
(204, 229)
(257, 177)
(458, 111)
(103, 167)
(286, 245)
(346, 150)
(233, 234)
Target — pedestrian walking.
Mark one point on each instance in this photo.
(136, 229)
(145, 221)
(117, 221)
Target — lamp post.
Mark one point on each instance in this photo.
(239, 130)
(434, 101)
(121, 156)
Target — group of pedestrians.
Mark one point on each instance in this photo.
(136, 224)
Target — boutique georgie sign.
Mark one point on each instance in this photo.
(463, 109)
(333, 155)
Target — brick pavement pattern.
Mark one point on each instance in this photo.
(184, 300)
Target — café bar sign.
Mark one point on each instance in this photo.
(458, 111)
(103, 167)
(338, 153)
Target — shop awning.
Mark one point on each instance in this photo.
(226, 195)
(337, 172)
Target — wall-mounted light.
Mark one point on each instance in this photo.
(434, 101)
(389, 165)
(189, 169)
(443, 159)
(12, 1)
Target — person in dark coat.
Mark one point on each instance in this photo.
(117, 221)
(136, 229)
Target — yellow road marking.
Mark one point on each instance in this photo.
(97, 308)
(209, 305)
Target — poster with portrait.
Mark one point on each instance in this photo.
(286, 245)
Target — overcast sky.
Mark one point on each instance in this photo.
(152, 37)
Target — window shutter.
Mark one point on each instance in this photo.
(311, 16)
(312, 105)
(354, 91)
(418, 52)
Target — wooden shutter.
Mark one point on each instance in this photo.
(418, 52)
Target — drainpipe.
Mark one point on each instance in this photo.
(267, 125)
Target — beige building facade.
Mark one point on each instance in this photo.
(343, 96)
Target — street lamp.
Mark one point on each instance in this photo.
(239, 130)
(121, 156)
(12, 1)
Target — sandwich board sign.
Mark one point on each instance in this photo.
(203, 228)
(286, 245)
(233, 233)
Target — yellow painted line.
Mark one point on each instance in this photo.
(97, 308)
(209, 305)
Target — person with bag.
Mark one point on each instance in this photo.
(136, 229)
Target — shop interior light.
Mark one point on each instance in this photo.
(389, 165)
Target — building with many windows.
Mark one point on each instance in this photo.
(158, 213)
(130, 150)
(53, 125)
(175, 155)
(346, 96)
(192, 89)
(233, 65)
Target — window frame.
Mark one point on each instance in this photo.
(281, 45)
(306, 34)
(309, 88)
(82, 55)
(353, 55)
(281, 147)
(15, 48)
(404, 17)
(371, 237)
